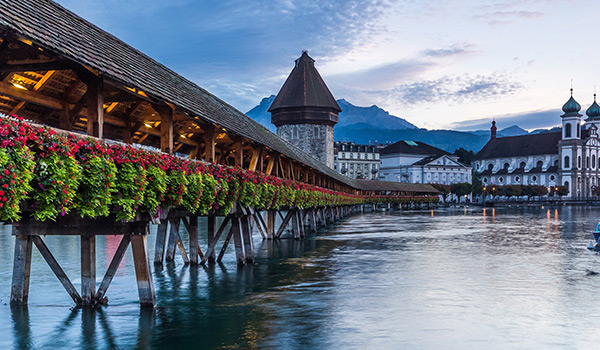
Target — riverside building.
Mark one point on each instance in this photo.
(418, 162)
(564, 158)
(356, 161)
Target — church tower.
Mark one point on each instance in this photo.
(570, 148)
(305, 111)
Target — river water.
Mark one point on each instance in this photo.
(462, 278)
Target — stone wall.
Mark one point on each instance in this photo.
(316, 140)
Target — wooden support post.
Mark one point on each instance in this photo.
(211, 235)
(112, 268)
(313, 220)
(58, 271)
(238, 154)
(260, 223)
(238, 241)
(256, 154)
(225, 245)
(284, 224)
(209, 143)
(166, 128)
(175, 242)
(210, 251)
(21, 271)
(271, 165)
(95, 107)
(301, 224)
(143, 274)
(192, 228)
(295, 225)
(271, 216)
(247, 238)
(161, 237)
(88, 269)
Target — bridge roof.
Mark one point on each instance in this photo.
(73, 39)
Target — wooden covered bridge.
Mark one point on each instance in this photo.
(86, 98)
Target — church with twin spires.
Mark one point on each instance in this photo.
(565, 158)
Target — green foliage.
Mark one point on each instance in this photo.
(176, 187)
(461, 189)
(130, 187)
(18, 166)
(57, 177)
(97, 186)
(464, 156)
(155, 188)
(210, 190)
(193, 196)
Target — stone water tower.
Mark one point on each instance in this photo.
(305, 111)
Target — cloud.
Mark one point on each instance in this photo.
(455, 89)
(454, 50)
(381, 77)
(505, 17)
(542, 119)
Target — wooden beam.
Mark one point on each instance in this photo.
(36, 87)
(58, 271)
(19, 293)
(166, 128)
(209, 143)
(256, 154)
(29, 96)
(271, 164)
(143, 273)
(33, 67)
(112, 267)
(238, 154)
(95, 107)
(88, 268)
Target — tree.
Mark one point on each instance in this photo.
(464, 156)
(461, 189)
(561, 191)
(509, 190)
(443, 189)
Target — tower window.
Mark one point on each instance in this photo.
(566, 164)
(578, 129)
(579, 161)
(593, 161)
(568, 130)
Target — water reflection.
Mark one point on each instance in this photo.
(458, 278)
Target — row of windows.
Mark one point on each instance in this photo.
(360, 156)
(517, 179)
(567, 162)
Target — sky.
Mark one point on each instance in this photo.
(439, 64)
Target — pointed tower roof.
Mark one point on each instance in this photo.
(594, 111)
(304, 87)
(571, 108)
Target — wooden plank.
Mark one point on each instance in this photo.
(113, 267)
(238, 241)
(192, 227)
(225, 245)
(284, 224)
(36, 87)
(88, 269)
(143, 274)
(33, 67)
(211, 236)
(161, 237)
(210, 251)
(295, 225)
(55, 267)
(19, 292)
(271, 216)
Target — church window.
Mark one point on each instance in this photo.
(517, 179)
(578, 161)
(578, 129)
(539, 164)
(506, 166)
(552, 178)
(568, 130)
(490, 166)
(501, 180)
(522, 165)
(484, 179)
(566, 164)
(593, 161)
(566, 184)
(534, 178)
(587, 161)
(556, 163)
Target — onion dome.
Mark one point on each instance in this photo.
(571, 108)
(594, 111)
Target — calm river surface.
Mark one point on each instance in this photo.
(448, 279)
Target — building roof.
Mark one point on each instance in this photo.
(72, 38)
(429, 159)
(523, 145)
(304, 87)
(412, 147)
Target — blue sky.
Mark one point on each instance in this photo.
(438, 64)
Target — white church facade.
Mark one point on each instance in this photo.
(566, 158)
